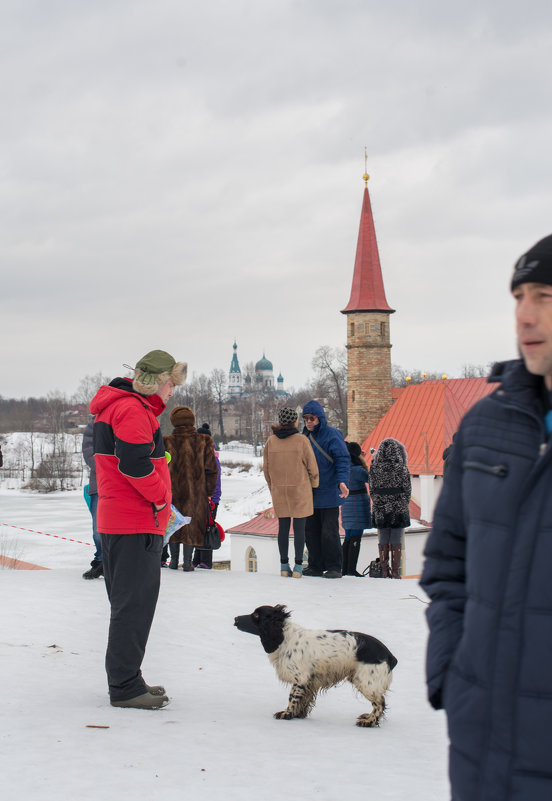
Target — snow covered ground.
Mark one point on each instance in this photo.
(217, 739)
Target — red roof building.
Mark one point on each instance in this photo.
(425, 416)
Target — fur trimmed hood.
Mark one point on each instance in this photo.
(390, 485)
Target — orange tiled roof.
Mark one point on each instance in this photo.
(425, 416)
(265, 524)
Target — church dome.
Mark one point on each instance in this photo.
(263, 364)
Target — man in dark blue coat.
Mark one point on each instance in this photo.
(96, 565)
(334, 466)
(488, 569)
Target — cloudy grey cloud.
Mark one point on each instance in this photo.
(176, 174)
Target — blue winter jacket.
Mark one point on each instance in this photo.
(331, 474)
(356, 510)
(488, 574)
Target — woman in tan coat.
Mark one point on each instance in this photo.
(291, 473)
(194, 474)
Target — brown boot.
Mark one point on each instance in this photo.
(384, 559)
(396, 561)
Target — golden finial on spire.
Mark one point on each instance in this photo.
(365, 177)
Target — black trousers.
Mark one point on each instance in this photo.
(322, 539)
(284, 525)
(132, 572)
(202, 556)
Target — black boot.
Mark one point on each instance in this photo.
(174, 548)
(354, 551)
(345, 556)
(96, 570)
(396, 561)
(384, 559)
(187, 566)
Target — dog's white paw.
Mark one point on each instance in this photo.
(367, 721)
(284, 715)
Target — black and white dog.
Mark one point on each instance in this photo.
(313, 660)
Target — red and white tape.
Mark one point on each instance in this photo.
(46, 534)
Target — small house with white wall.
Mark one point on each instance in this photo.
(254, 544)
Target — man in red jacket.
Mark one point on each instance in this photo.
(134, 489)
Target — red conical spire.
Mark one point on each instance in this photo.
(367, 292)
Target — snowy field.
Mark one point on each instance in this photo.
(217, 739)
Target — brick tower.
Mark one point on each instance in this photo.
(368, 337)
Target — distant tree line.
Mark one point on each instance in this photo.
(206, 395)
(401, 377)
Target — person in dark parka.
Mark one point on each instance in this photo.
(447, 453)
(487, 569)
(390, 489)
(96, 565)
(334, 463)
(355, 511)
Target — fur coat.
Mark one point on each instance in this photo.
(390, 486)
(291, 473)
(194, 471)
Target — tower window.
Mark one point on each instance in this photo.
(352, 329)
(353, 395)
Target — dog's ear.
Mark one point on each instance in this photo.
(271, 622)
(281, 611)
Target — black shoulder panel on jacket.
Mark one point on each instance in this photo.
(104, 439)
(134, 459)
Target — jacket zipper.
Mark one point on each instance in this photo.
(500, 470)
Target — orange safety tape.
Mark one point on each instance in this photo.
(46, 534)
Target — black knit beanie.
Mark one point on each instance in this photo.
(535, 266)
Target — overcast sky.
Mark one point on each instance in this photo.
(176, 174)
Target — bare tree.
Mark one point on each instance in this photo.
(88, 386)
(399, 376)
(197, 395)
(219, 386)
(331, 381)
(476, 370)
(57, 406)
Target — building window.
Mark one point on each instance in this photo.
(382, 329)
(360, 328)
(353, 396)
(352, 329)
(251, 560)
